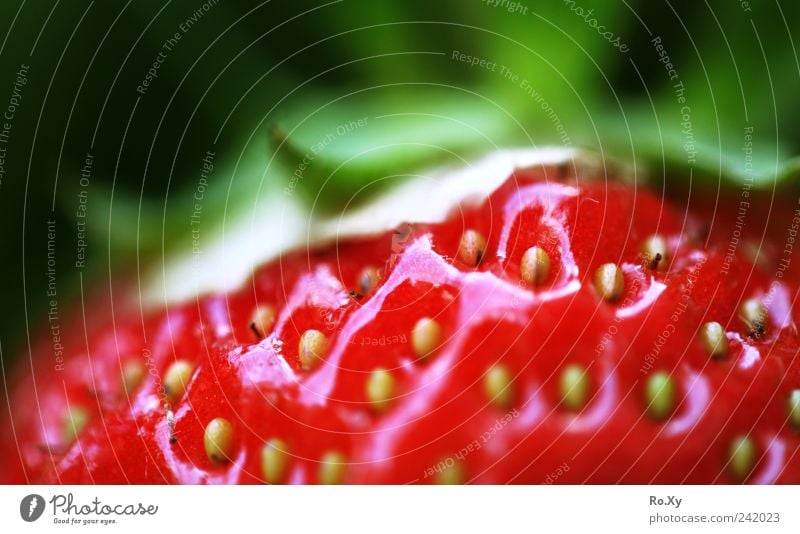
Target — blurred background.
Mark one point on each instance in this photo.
(118, 114)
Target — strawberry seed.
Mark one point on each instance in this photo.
(472, 248)
(609, 282)
(262, 320)
(714, 340)
(660, 393)
(313, 346)
(176, 379)
(274, 461)
(574, 386)
(380, 389)
(655, 252)
(218, 440)
(497, 386)
(450, 475)
(794, 409)
(742, 457)
(535, 266)
(75, 420)
(425, 336)
(133, 372)
(332, 468)
(368, 280)
(754, 317)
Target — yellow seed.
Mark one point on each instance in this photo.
(655, 252)
(275, 461)
(609, 282)
(332, 468)
(380, 388)
(74, 422)
(472, 248)
(176, 379)
(754, 316)
(426, 336)
(660, 395)
(313, 346)
(218, 440)
(574, 387)
(451, 475)
(262, 320)
(368, 280)
(497, 386)
(714, 340)
(742, 457)
(756, 254)
(535, 266)
(794, 409)
(133, 372)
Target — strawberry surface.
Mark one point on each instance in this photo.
(565, 329)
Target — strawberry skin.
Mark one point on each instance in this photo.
(561, 330)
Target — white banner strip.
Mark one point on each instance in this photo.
(400, 509)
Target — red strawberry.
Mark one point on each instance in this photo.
(564, 329)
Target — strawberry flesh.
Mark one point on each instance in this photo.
(78, 424)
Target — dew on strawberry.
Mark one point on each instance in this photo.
(578, 322)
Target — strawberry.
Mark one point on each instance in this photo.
(566, 328)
